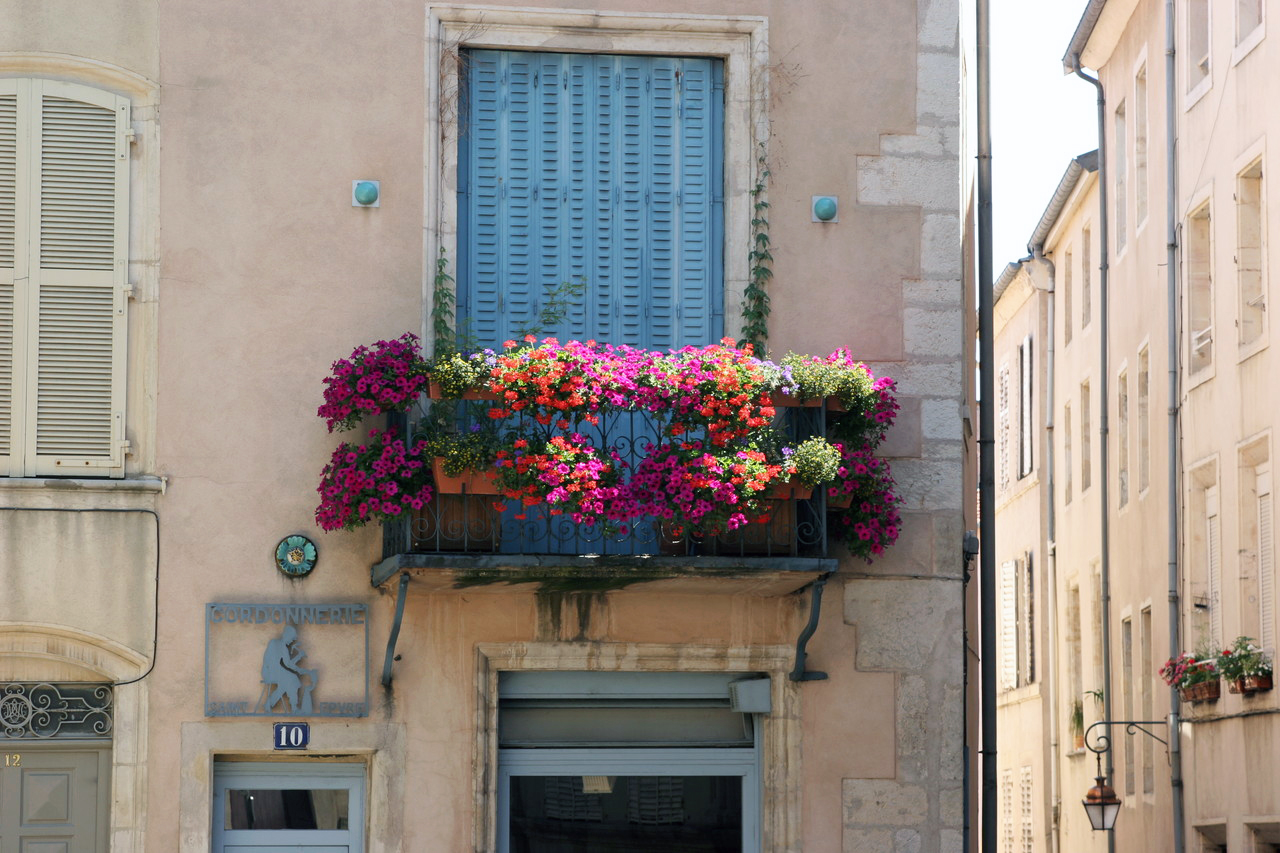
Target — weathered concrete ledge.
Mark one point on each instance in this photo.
(602, 573)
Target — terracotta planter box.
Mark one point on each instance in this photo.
(787, 491)
(1250, 684)
(1205, 691)
(435, 392)
(786, 401)
(467, 483)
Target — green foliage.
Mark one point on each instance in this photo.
(755, 299)
(816, 461)
(1077, 717)
(443, 301)
(457, 374)
(472, 450)
(1243, 658)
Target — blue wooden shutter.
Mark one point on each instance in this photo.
(601, 170)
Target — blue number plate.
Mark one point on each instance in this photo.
(292, 735)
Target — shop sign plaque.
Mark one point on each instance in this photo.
(271, 660)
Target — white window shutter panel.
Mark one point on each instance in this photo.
(79, 275)
(13, 158)
(1009, 624)
(1266, 565)
(1213, 543)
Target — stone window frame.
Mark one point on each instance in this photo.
(781, 778)
(741, 41)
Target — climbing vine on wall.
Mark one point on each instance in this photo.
(443, 300)
(755, 299)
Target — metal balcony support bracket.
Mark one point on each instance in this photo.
(815, 613)
(395, 630)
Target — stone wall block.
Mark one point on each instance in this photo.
(938, 89)
(925, 484)
(939, 246)
(931, 183)
(901, 622)
(904, 438)
(941, 419)
(922, 378)
(940, 141)
(949, 292)
(933, 333)
(884, 803)
(860, 840)
(937, 24)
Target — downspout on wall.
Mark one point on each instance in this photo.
(990, 801)
(1171, 273)
(1051, 552)
(1104, 473)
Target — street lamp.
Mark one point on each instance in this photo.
(1101, 803)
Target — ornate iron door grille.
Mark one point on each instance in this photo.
(42, 711)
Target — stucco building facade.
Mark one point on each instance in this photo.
(1108, 596)
(188, 256)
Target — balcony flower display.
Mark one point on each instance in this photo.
(373, 482)
(864, 506)
(386, 377)
(713, 454)
(1195, 676)
(1245, 666)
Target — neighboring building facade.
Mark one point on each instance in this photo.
(182, 255)
(1226, 569)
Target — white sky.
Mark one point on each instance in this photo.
(1040, 118)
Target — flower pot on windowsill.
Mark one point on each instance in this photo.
(1204, 691)
(435, 392)
(787, 491)
(466, 483)
(1077, 741)
(1250, 684)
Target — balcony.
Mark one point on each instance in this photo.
(462, 540)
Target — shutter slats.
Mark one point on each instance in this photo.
(1213, 542)
(6, 373)
(8, 178)
(74, 369)
(573, 169)
(77, 185)
(1266, 572)
(1008, 625)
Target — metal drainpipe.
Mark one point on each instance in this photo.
(986, 440)
(1104, 472)
(1171, 273)
(1051, 552)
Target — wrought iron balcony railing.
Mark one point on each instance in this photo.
(472, 523)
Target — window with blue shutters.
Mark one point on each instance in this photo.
(604, 172)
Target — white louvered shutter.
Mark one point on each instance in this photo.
(1213, 542)
(1266, 564)
(1009, 624)
(10, 259)
(79, 277)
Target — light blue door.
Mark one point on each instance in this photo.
(601, 171)
(266, 807)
